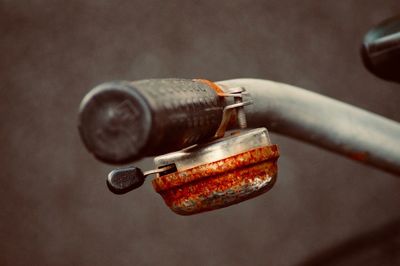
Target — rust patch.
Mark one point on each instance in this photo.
(359, 156)
(221, 183)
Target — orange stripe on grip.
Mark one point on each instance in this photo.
(212, 85)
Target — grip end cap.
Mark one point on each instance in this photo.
(114, 122)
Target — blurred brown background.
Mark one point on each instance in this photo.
(54, 206)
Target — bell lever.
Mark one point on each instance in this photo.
(123, 180)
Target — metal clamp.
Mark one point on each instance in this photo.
(237, 94)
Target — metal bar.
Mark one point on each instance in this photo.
(322, 121)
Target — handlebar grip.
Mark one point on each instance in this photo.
(123, 121)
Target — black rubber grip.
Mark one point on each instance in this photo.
(122, 121)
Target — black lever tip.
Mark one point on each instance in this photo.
(121, 181)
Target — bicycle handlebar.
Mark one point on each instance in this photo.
(124, 121)
(322, 121)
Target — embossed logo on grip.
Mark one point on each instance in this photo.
(119, 128)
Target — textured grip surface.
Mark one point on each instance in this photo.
(124, 121)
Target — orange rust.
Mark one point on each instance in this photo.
(359, 156)
(221, 190)
(221, 183)
(183, 177)
(211, 84)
